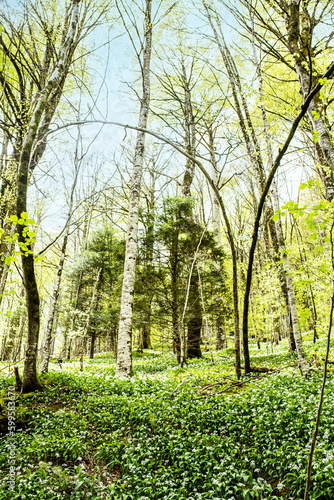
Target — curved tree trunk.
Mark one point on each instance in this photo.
(51, 88)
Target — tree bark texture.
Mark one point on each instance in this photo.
(57, 78)
(124, 348)
(301, 50)
(194, 316)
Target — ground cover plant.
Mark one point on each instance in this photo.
(172, 433)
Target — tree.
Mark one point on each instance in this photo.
(295, 34)
(43, 103)
(124, 357)
(254, 153)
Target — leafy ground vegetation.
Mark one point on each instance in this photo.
(172, 433)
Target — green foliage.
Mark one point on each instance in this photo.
(12, 245)
(103, 250)
(152, 438)
(177, 236)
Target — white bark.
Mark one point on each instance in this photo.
(220, 333)
(53, 305)
(280, 237)
(124, 348)
(305, 369)
(56, 291)
(297, 46)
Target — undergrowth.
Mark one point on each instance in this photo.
(165, 435)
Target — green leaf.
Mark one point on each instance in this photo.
(31, 221)
(14, 218)
(24, 215)
(315, 136)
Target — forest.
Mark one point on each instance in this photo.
(166, 249)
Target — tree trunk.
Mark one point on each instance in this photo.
(145, 335)
(92, 346)
(174, 263)
(281, 244)
(9, 343)
(230, 238)
(68, 351)
(194, 321)
(299, 46)
(194, 316)
(53, 305)
(89, 314)
(56, 80)
(220, 336)
(124, 348)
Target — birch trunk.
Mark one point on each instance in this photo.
(299, 45)
(220, 334)
(124, 348)
(54, 300)
(280, 238)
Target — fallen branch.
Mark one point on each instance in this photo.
(260, 369)
(176, 389)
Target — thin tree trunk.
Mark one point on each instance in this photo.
(220, 335)
(89, 314)
(124, 348)
(174, 263)
(230, 238)
(54, 300)
(92, 346)
(310, 296)
(194, 315)
(317, 423)
(280, 237)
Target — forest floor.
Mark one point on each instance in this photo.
(172, 433)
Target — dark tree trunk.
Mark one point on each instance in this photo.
(91, 346)
(68, 353)
(194, 321)
(145, 335)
